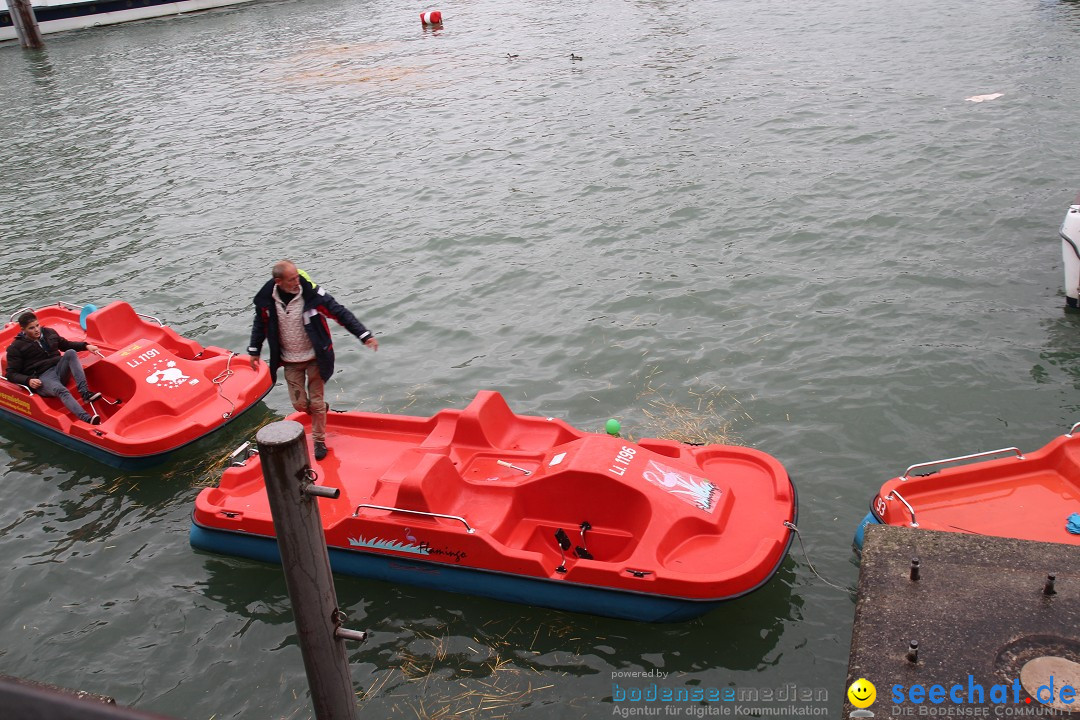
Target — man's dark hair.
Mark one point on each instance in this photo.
(26, 318)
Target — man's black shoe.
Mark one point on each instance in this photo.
(320, 450)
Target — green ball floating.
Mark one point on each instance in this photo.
(612, 427)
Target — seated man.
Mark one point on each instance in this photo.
(34, 359)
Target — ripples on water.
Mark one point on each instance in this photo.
(789, 209)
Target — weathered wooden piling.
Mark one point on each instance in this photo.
(25, 22)
(292, 494)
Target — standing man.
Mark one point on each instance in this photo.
(290, 314)
(34, 359)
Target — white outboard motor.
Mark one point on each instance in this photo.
(1070, 253)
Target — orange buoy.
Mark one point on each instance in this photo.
(431, 18)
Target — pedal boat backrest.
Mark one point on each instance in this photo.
(117, 325)
(489, 422)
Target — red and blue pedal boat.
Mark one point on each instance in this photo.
(1002, 493)
(527, 509)
(160, 391)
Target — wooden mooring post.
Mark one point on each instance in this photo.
(291, 489)
(25, 22)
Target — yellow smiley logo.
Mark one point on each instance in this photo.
(862, 693)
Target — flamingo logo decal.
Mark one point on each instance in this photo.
(699, 492)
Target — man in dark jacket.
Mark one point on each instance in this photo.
(290, 315)
(43, 361)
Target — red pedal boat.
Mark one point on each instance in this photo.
(1005, 494)
(528, 509)
(160, 390)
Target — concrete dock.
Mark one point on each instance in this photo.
(978, 627)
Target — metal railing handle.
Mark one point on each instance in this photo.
(460, 519)
(27, 388)
(150, 317)
(1072, 430)
(74, 306)
(910, 509)
(19, 312)
(240, 456)
(1019, 456)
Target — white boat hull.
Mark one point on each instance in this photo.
(60, 16)
(1070, 253)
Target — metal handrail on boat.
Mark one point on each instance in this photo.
(1072, 430)
(19, 312)
(27, 388)
(1019, 456)
(910, 509)
(150, 317)
(68, 305)
(240, 456)
(463, 521)
(73, 306)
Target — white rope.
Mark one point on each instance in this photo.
(220, 379)
(791, 526)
